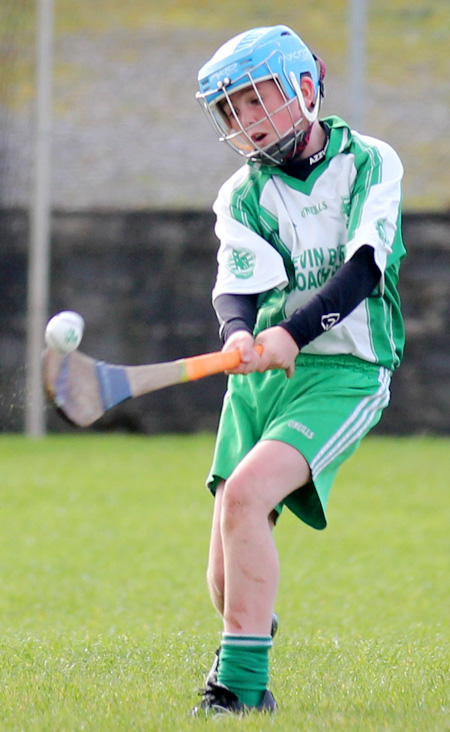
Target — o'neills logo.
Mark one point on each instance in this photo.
(314, 210)
(301, 428)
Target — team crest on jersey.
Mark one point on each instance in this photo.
(241, 263)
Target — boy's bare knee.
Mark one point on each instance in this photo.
(240, 504)
(235, 502)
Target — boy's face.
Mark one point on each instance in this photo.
(252, 107)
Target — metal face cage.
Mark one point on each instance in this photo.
(240, 139)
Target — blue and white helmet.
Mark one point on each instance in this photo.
(274, 53)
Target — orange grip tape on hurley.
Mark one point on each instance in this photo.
(213, 363)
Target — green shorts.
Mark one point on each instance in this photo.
(324, 411)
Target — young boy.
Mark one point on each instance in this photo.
(310, 248)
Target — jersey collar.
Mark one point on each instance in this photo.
(338, 139)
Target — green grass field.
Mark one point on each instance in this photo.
(105, 620)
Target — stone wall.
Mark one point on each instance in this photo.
(142, 280)
(421, 388)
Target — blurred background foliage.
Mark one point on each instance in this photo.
(408, 88)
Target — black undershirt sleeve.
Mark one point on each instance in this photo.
(351, 284)
(235, 312)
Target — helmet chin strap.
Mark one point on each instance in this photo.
(310, 116)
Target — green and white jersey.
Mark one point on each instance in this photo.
(283, 238)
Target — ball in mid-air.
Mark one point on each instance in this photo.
(64, 331)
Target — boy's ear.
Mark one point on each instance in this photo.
(308, 91)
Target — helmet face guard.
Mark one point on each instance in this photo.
(276, 54)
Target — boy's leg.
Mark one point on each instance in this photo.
(271, 471)
(243, 568)
(215, 573)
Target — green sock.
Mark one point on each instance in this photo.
(244, 666)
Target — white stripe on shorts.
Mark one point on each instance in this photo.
(355, 426)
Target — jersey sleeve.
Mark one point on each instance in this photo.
(375, 204)
(247, 263)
